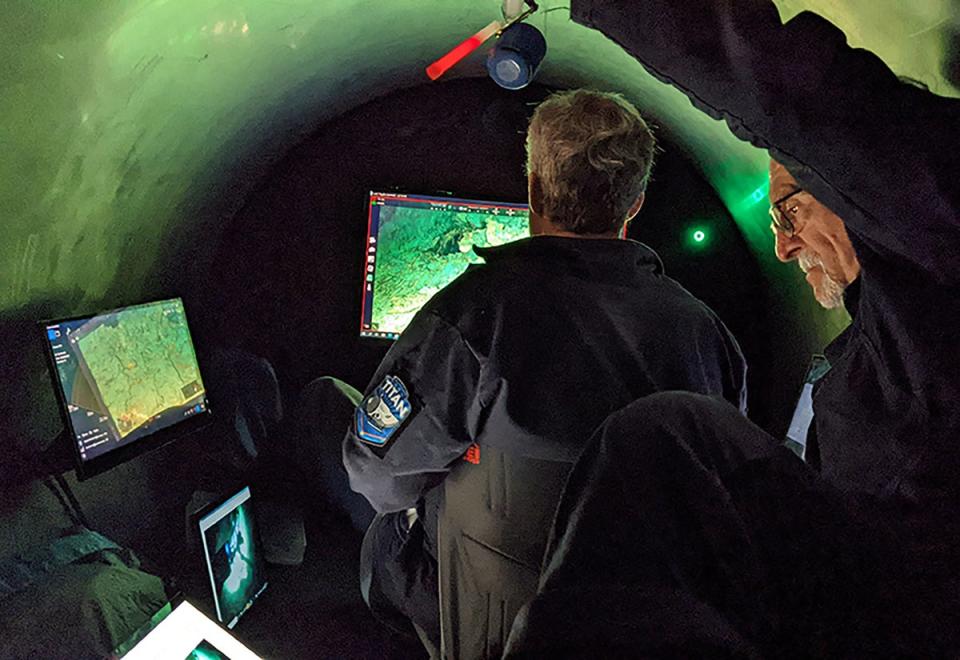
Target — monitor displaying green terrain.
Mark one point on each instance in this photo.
(126, 374)
(418, 244)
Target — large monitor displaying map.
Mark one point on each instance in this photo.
(126, 379)
(417, 244)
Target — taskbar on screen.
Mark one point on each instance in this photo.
(376, 334)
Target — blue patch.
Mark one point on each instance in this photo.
(382, 412)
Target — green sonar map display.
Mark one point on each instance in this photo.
(142, 361)
(421, 250)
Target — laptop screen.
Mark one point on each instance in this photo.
(233, 557)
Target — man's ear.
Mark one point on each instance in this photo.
(535, 193)
(635, 207)
(631, 214)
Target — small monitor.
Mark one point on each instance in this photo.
(417, 244)
(233, 556)
(127, 381)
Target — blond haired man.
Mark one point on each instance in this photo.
(514, 364)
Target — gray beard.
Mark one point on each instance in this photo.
(830, 294)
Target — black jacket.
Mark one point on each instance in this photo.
(882, 154)
(529, 352)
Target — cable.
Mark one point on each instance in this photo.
(72, 505)
(73, 500)
(544, 13)
(52, 487)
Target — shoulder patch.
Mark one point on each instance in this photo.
(382, 411)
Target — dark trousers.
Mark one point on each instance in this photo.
(685, 530)
(398, 578)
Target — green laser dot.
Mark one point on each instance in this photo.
(698, 236)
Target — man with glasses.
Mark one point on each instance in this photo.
(807, 231)
(865, 185)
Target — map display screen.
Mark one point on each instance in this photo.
(125, 374)
(418, 244)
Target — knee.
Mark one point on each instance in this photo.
(329, 393)
(668, 426)
(672, 409)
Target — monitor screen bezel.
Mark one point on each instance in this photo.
(368, 211)
(197, 519)
(86, 469)
(178, 632)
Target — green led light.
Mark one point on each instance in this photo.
(697, 237)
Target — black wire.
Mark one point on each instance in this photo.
(48, 482)
(74, 512)
(73, 500)
(547, 11)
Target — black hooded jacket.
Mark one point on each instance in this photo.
(529, 352)
(882, 154)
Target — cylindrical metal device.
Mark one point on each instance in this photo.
(516, 57)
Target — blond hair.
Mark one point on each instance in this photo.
(592, 153)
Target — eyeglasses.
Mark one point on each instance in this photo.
(781, 217)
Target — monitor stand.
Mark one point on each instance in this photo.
(55, 459)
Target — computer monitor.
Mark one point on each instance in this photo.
(233, 556)
(417, 244)
(127, 381)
